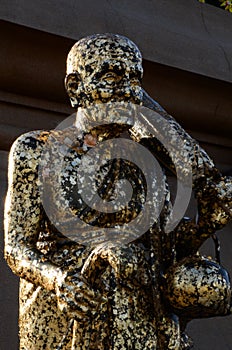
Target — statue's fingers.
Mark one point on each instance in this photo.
(90, 297)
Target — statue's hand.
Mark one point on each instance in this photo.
(224, 195)
(128, 262)
(215, 201)
(76, 298)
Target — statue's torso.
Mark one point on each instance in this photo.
(127, 320)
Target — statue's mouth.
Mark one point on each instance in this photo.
(121, 113)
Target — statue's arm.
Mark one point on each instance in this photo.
(23, 214)
(214, 204)
(213, 192)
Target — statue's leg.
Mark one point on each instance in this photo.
(41, 324)
(44, 326)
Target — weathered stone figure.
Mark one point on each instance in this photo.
(134, 296)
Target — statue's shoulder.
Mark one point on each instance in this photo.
(29, 145)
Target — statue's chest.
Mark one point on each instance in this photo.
(82, 184)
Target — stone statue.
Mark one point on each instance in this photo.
(138, 295)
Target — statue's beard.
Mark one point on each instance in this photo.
(96, 115)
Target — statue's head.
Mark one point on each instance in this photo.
(103, 68)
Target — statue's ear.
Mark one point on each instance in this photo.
(72, 82)
(73, 87)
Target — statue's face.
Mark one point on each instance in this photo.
(104, 70)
